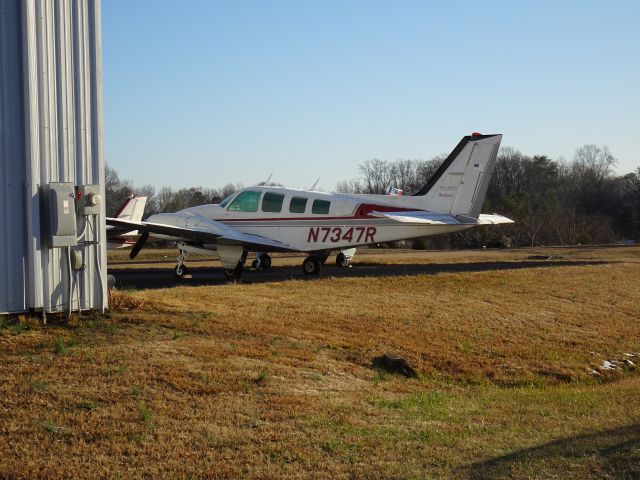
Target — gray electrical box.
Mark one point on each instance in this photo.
(88, 199)
(60, 214)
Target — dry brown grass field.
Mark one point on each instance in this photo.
(274, 380)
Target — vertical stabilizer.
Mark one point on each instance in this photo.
(133, 209)
(460, 184)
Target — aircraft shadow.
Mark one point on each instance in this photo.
(146, 278)
(611, 453)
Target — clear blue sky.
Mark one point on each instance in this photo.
(206, 93)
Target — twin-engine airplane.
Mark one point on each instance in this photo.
(275, 219)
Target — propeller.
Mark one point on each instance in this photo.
(138, 245)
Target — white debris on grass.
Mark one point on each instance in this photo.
(609, 365)
(614, 365)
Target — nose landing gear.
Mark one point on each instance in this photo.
(181, 268)
(344, 257)
(342, 261)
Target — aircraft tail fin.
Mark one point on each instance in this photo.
(132, 209)
(460, 184)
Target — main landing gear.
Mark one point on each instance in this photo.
(312, 265)
(262, 262)
(232, 257)
(236, 273)
(233, 273)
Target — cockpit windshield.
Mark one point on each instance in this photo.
(224, 202)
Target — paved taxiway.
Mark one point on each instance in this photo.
(143, 278)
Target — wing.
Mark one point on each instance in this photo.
(191, 228)
(423, 217)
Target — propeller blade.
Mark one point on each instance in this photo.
(138, 245)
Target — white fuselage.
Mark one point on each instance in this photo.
(322, 222)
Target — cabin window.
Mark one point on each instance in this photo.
(245, 202)
(298, 205)
(272, 202)
(320, 206)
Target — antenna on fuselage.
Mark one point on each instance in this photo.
(314, 184)
(266, 182)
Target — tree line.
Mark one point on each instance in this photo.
(165, 199)
(554, 202)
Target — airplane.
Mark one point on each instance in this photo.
(131, 210)
(266, 219)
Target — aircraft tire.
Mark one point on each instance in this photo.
(265, 262)
(311, 265)
(254, 264)
(181, 270)
(342, 261)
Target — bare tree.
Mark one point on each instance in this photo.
(116, 191)
(594, 161)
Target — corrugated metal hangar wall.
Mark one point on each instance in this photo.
(52, 165)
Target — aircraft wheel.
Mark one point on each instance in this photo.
(342, 260)
(265, 262)
(181, 270)
(311, 265)
(233, 273)
(254, 265)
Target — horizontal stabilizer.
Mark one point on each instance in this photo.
(418, 216)
(492, 219)
(430, 218)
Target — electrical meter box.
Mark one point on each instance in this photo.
(59, 214)
(88, 199)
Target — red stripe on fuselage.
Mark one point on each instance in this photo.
(362, 211)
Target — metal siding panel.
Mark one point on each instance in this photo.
(12, 235)
(97, 154)
(32, 155)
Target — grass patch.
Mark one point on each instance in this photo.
(59, 347)
(136, 391)
(380, 375)
(261, 378)
(427, 405)
(39, 386)
(88, 406)
(177, 334)
(51, 427)
(145, 414)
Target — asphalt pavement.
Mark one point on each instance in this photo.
(145, 278)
